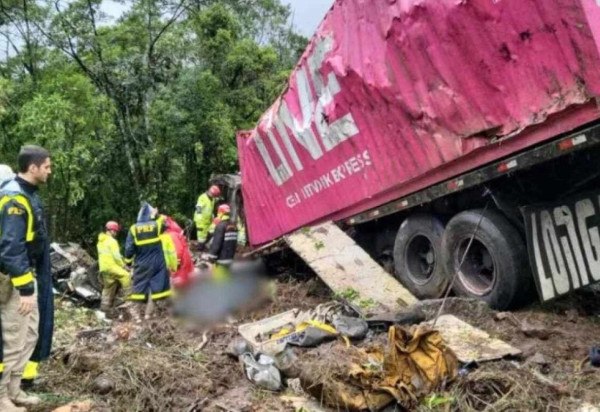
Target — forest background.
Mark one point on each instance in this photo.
(144, 107)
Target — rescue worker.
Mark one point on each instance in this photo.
(185, 267)
(240, 227)
(154, 258)
(26, 310)
(112, 266)
(224, 243)
(205, 208)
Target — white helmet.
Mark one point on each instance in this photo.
(6, 173)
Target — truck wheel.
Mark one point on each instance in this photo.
(496, 267)
(417, 256)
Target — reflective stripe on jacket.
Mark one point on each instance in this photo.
(152, 254)
(25, 253)
(109, 255)
(224, 242)
(203, 215)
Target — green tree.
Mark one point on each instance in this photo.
(70, 118)
(142, 108)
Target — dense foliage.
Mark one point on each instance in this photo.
(144, 106)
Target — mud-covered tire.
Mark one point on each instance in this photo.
(496, 268)
(418, 256)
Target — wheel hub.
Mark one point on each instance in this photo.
(478, 272)
(420, 259)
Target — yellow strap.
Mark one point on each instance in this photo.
(161, 295)
(147, 241)
(22, 280)
(346, 341)
(31, 370)
(23, 201)
(321, 325)
(1, 367)
(303, 326)
(154, 296)
(282, 333)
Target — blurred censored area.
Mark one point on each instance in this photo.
(219, 292)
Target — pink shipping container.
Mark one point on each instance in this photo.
(393, 96)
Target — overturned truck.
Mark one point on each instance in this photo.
(456, 140)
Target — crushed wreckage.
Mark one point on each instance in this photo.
(75, 273)
(348, 361)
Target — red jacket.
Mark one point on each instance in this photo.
(186, 266)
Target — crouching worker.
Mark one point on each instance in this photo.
(112, 267)
(224, 244)
(154, 258)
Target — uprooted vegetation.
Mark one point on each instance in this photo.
(165, 367)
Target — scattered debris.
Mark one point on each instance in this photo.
(472, 344)
(103, 385)
(541, 361)
(497, 390)
(204, 341)
(300, 328)
(343, 266)
(353, 328)
(411, 364)
(500, 316)
(538, 359)
(262, 371)
(237, 348)
(301, 403)
(75, 273)
(158, 366)
(80, 406)
(411, 316)
(588, 407)
(532, 330)
(572, 315)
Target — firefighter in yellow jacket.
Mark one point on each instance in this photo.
(203, 217)
(112, 266)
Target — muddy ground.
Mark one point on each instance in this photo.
(161, 367)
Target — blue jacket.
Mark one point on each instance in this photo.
(151, 277)
(25, 253)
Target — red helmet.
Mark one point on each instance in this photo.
(214, 191)
(224, 210)
(112, 225)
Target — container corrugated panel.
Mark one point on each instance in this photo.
(393, 96)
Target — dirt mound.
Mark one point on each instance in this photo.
(500, 386)
(162, 367)
(158, 369)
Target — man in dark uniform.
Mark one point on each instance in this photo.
(224, 243)
(27, 311)
(153, 255)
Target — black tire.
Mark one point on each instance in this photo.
(418, 258)
(496, 268)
